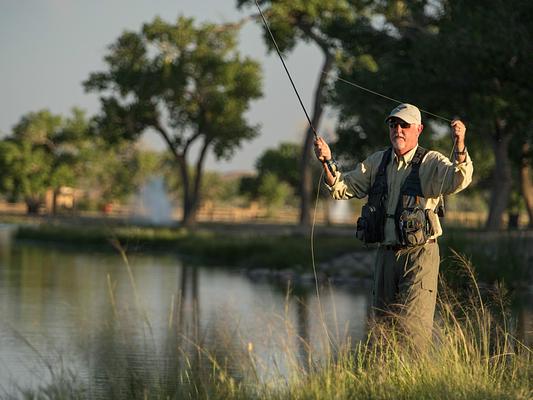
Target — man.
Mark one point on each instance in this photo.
(404, 185)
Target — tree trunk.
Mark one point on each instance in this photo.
(188, 217)
(189, 214)
(192, 202)
(190, 208)
(306, 179)
(189, 194)
(55, 193)
(525, 181)
(501, 179)
(32, 205)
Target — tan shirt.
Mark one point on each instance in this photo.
(438, 175)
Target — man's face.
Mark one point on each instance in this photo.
(403, 136)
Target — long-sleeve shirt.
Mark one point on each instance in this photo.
(438, 175)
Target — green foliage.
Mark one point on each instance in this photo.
(116, 172)
(460, 58)
(283, 162)
(291, 21)
(215, 186)
(186, 82)
(273, 192)
(240, 249)
(218, 188)
(36, 157)
(47, 151)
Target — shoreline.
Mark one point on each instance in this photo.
(258, 248)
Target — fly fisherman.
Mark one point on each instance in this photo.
(404, 185)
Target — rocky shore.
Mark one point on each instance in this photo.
(351, 269)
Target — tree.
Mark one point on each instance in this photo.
(282, 162)
(467, 58)
(309, 20)
(273, 192)
(114, 173)
(35, 158)
(186, 82)
(491, 43)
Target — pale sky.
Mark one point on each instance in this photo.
(48, 47)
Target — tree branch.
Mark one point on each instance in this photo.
(168, 141)
(308, 30)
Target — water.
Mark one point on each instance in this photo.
(70, 310)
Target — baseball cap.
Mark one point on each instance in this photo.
(406, 112)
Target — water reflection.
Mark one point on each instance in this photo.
(81, 311)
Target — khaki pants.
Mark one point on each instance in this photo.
(405, 288)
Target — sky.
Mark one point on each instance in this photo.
(49, 47)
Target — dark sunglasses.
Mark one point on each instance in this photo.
(403, 124)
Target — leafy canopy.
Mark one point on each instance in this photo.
(182, 80)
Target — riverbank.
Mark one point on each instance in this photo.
(253, 246)
(285, 251)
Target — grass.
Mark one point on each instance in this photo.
(502, 257)
(206, 246)
(473, 355)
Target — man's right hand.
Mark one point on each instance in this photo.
(322, 150)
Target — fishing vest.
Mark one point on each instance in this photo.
(413, 224)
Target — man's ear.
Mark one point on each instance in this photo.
(420, 128)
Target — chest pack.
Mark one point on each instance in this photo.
(414, 224)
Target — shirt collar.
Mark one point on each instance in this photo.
(407, 157)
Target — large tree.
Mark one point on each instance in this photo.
(490, 55)
(466, 58)
(292, 21)
(189, 84)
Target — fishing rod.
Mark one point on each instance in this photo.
(265, 23)
(285, 67)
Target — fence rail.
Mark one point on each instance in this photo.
(254, 212)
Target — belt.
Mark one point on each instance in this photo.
(397, 247)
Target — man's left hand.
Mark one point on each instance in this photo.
(459, 133)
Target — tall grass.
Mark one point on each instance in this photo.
(473, 355)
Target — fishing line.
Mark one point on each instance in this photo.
(385, 97)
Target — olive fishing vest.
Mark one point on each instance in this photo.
(411, 220)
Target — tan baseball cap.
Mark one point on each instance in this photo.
(406, 112)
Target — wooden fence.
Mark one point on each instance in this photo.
(211, 212)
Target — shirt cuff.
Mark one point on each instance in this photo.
(467, 160)
(332, 187)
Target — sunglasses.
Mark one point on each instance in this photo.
(403, 124)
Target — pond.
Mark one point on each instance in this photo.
(107, 321)
(92, 314)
